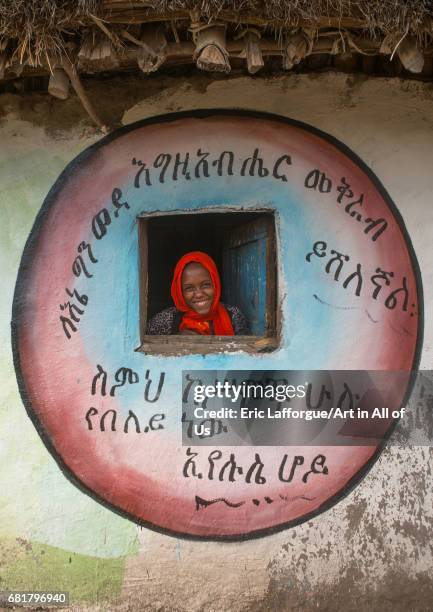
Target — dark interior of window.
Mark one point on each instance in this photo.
(242, 245)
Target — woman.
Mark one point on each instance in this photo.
(196, 291)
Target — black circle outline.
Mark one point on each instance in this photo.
(24, 275)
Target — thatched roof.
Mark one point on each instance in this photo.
(386, 15)
(37, 25)
(41, 25)
(66, 38)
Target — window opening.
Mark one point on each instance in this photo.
(242, 244)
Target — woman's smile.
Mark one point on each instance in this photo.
(201, 302)
(197, 288)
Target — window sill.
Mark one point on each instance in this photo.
(188, 345)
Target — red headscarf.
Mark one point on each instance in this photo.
(217, 314)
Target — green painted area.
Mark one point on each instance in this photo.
(37, 502)
(26, 566)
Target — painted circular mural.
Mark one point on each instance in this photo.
(348, 298)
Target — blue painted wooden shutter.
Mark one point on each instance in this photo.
(248, 251)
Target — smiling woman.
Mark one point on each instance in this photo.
(196, 292)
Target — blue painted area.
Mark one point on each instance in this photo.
(245, 272)
(249, 288)
(110, 327)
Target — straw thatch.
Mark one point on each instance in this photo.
(38, 27)
(63, 39)
(386, 15)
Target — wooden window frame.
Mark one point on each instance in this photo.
(173, 345)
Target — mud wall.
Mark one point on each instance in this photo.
(374, 546)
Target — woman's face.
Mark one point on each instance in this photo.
(197, 288)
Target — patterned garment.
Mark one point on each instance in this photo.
(166, 322)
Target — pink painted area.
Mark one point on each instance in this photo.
(144, 479)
